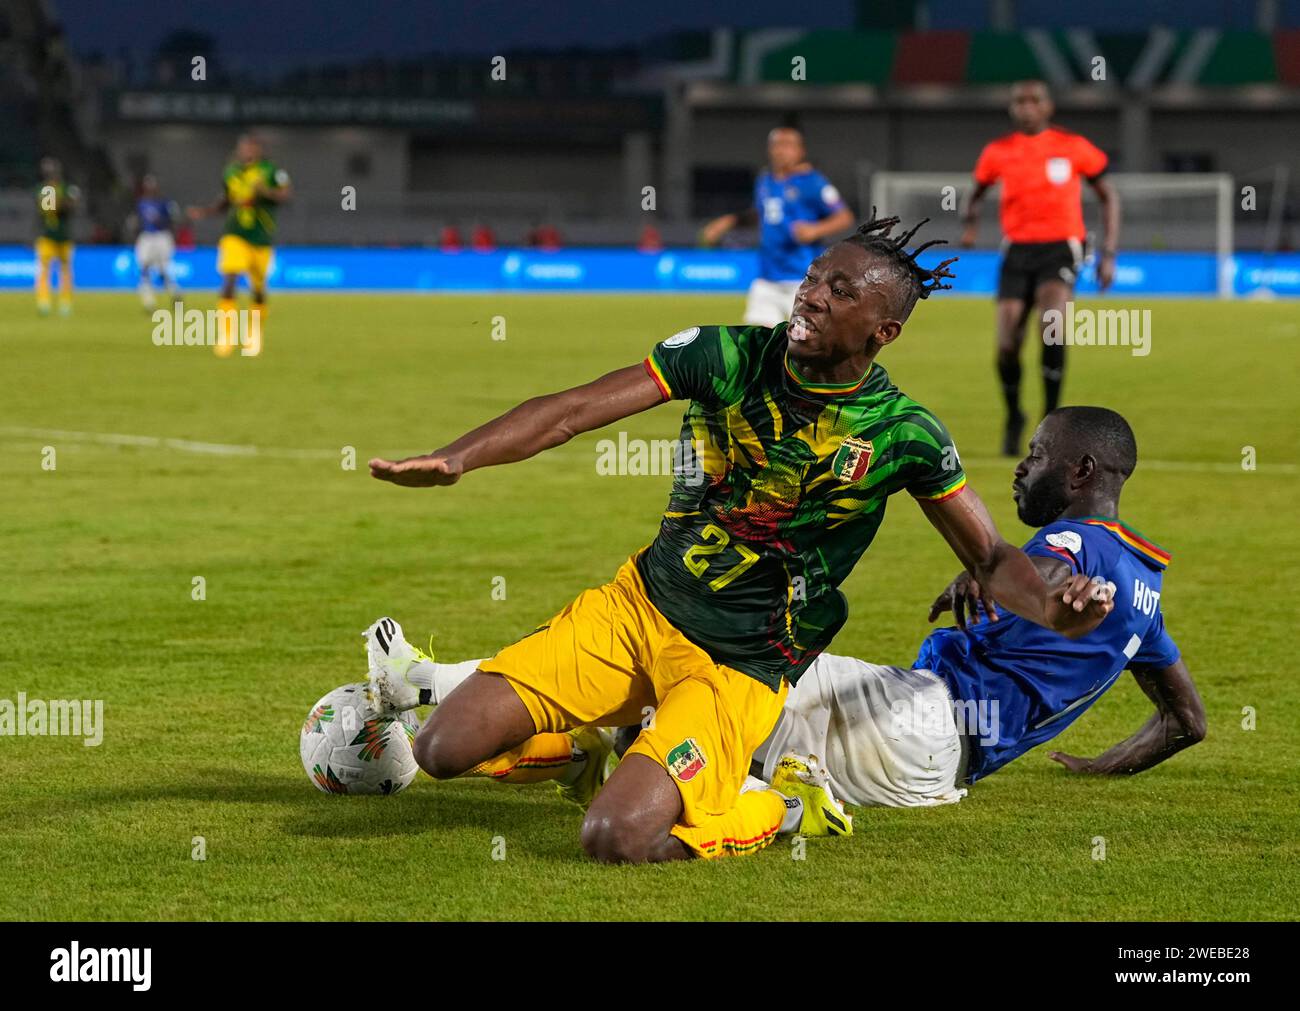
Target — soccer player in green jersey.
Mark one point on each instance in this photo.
(252, 189)
(802, 438)
(56, 201)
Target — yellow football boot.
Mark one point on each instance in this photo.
(807, 779)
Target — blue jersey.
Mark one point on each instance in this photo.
(1042, 682)
(804, 196)
(155, 215)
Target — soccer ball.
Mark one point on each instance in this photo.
(347, 747)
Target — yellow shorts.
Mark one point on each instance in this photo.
(611, 659)
(238, 256)
(50, 249)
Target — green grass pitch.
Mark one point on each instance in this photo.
(203, 699)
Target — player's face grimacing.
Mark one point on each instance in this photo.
(841, 310)
(1041, 486)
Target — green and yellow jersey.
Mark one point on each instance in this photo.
(779, 487)
(252, 217)
(54, 204)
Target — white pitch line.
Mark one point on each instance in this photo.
(231, 449)
(180, 445)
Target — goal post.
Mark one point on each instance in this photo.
(1161, 211)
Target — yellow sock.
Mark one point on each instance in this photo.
(541, 757)
(226, 310)
(43, 284)
(746, 828)
(65, 283)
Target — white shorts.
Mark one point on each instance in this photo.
(770, 302)
(154, 250)
(887, 736)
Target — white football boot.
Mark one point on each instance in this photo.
(390, 659)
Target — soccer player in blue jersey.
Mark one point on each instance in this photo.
(155, 217)
(795, 207)
(981, 694)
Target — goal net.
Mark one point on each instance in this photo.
(1161, 211)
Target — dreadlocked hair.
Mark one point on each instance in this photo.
(914, 280)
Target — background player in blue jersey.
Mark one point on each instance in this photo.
(155, 217)
(796, 208)
(985, 692)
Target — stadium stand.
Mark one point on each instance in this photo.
(572, 136)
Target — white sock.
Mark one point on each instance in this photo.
(441, 678)
(793, 813)
(793, 805)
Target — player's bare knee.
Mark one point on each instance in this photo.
(610, 838)
(435, 753)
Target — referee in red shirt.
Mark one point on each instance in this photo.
(1039, 166)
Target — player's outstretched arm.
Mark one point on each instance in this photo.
(1177, 723)
(535, 425)
(1072, 606)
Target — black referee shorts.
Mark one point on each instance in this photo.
(1026, 265)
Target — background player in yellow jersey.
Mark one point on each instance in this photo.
(55, 202)
(252, 190)
(805, 439)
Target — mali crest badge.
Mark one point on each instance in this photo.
(853, 459)
(685, 760)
